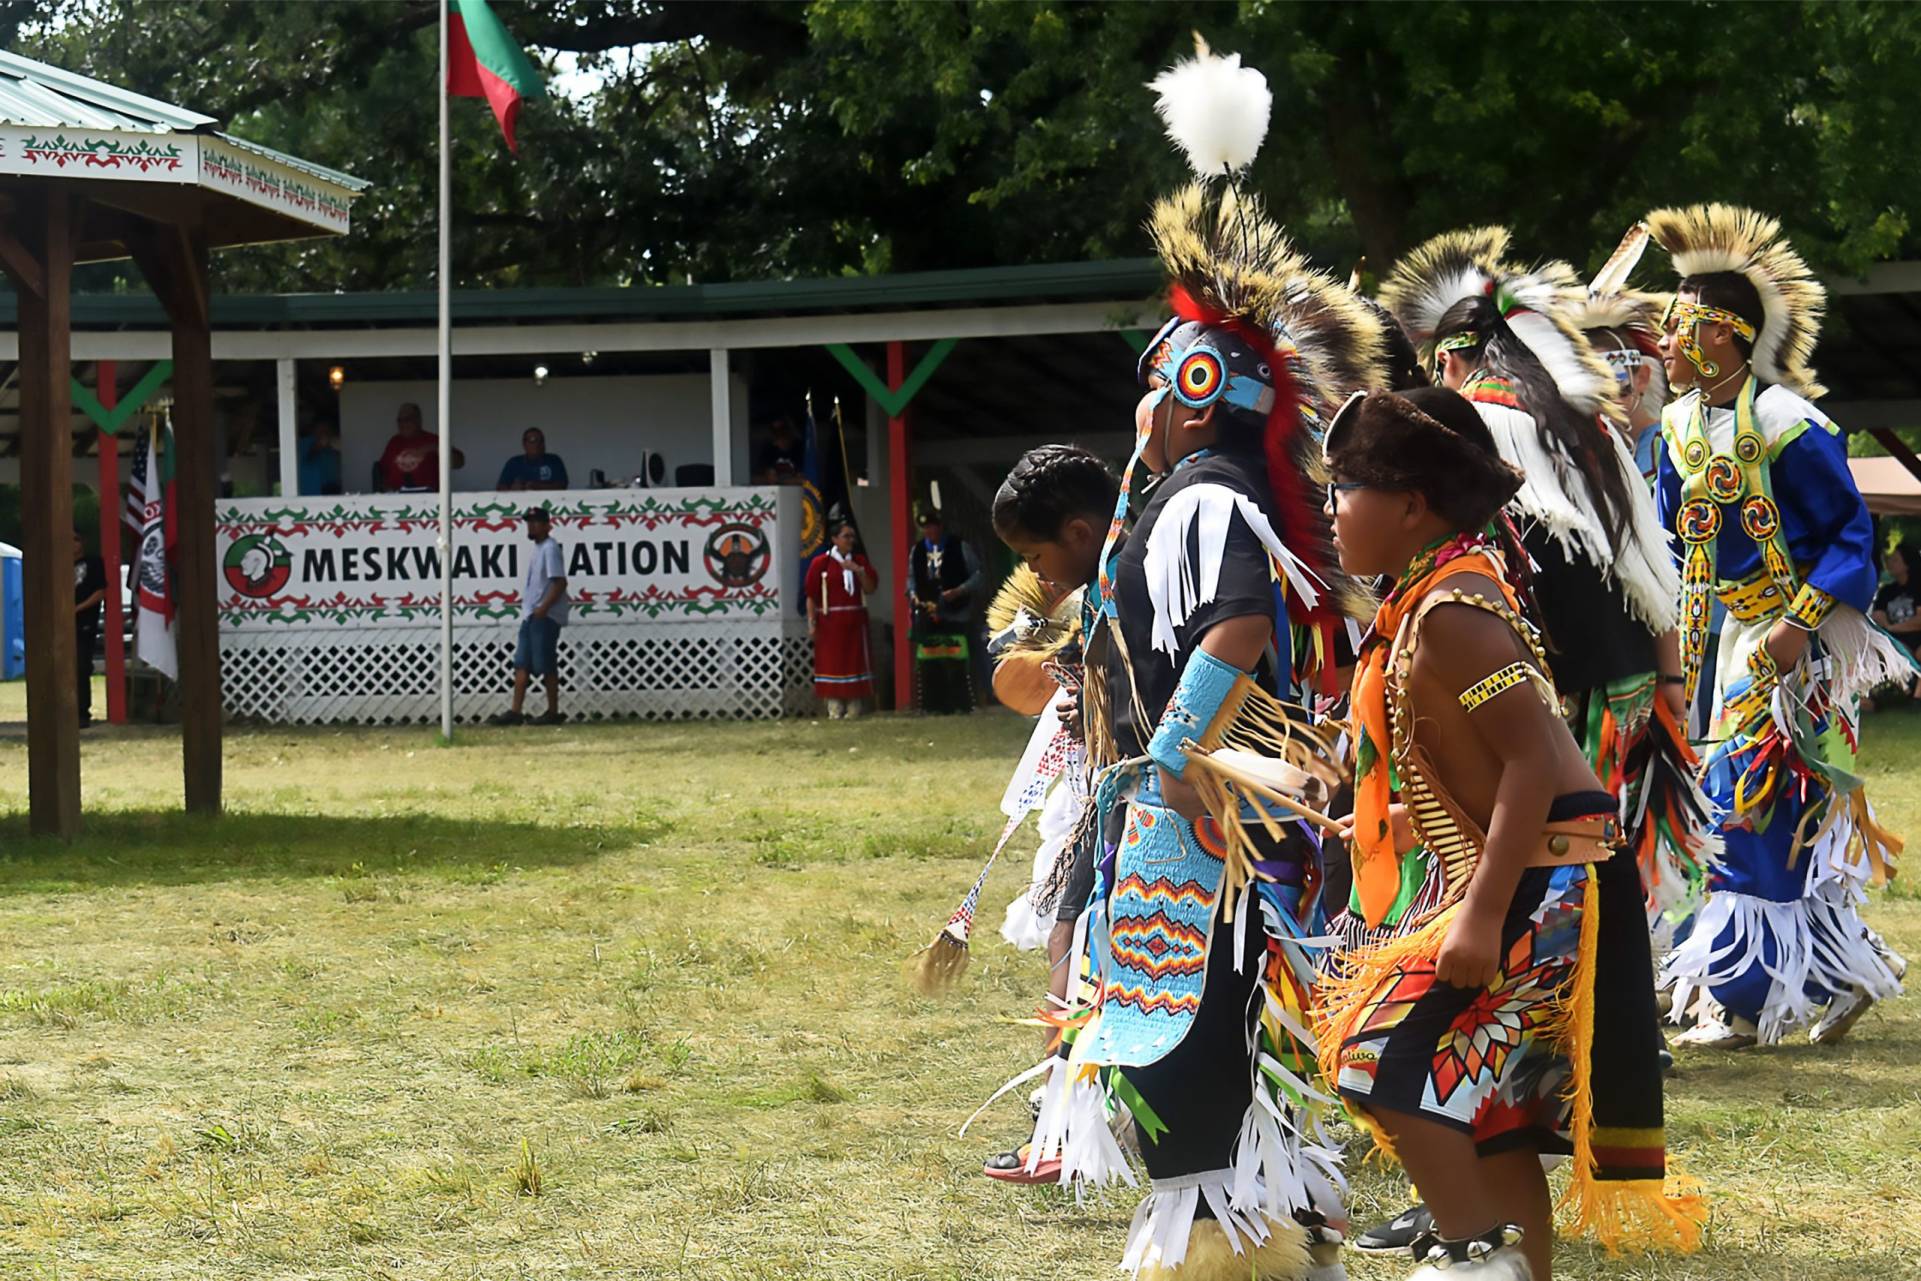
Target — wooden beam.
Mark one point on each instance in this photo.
(197, 626)
(22, 266)
(46, 494)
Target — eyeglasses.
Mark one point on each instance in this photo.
(1337, 487)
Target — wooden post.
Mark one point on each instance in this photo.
(173, 258)
(900, 481)
(197, 620)
(107, 391)
(46, 493)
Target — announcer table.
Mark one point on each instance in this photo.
(685, 604)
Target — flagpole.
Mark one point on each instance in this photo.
(444, 407)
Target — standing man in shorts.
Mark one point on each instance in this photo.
(543, 612)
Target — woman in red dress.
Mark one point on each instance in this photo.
(837, 585)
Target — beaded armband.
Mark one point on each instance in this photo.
(1810, 607)
(1496, 683)
(1206, 682)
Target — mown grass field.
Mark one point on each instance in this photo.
(626, 1001)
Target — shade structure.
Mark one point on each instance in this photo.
(1887, 485)
(89, 172)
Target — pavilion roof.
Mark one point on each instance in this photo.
(57, 124)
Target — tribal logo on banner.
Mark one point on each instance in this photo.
(257, 565)
(737, 555)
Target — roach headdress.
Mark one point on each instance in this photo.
(1256, 328)
(1624, 324)
(1704, 239)
(1537, 304)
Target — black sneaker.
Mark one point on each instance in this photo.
(548, 718)
(1397, 1235)
(507, 718)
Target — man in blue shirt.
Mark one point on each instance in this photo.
(533, 467)
(543, 612)
(319, 461)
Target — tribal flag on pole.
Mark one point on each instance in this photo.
(153, 563)
(813, 504)
(483, 61)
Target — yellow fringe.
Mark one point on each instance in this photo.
(1642, 1213)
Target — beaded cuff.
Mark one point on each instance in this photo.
(1205, 685)
(1810, 607)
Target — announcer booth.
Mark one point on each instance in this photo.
(683, 604)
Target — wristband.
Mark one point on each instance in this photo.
(1206, 682)
(1810, 607)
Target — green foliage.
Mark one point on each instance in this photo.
(757, 139)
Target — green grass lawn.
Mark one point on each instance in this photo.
(626, 1001)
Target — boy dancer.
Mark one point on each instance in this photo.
(1469, 1022)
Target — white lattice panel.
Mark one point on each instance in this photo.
(655, 671)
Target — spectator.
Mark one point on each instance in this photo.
(780, 460)
(319, 460)
(944, 573)
(1895, 607)
(533, 467)
(543, 612)
(411, 462)
(838, 582)
(89, 589)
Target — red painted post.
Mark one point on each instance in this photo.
(901, 485)
(107, 393)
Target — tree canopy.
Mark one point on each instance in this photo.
(727, 141)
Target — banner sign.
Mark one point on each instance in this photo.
(642, 555)
(230, 165)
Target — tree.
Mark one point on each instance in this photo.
(750, 140)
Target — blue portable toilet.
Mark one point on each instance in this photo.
(13, 615)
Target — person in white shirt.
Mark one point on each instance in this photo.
(543, 612)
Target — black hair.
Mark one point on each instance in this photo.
(1404, 368)
(1729, 291)
(1051, 485)
(1456, 413)
(1911, 557)
(1580, 436)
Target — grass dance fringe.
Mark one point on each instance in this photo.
(1615, 1213)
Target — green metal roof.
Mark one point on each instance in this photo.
(1120, 280)
(45, 97)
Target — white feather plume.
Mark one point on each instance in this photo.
(1214, 109)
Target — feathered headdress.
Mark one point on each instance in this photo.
(1299, 342)
(1538, 304)
(1612, 304)
(1634, 314)
(1711, 238)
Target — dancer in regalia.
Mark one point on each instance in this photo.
(1754, 482)
(1602, 583)
(1201, 934)
(1500, 992)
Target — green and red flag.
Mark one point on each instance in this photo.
(483, 61)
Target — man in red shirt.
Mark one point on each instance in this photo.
(412, 459)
